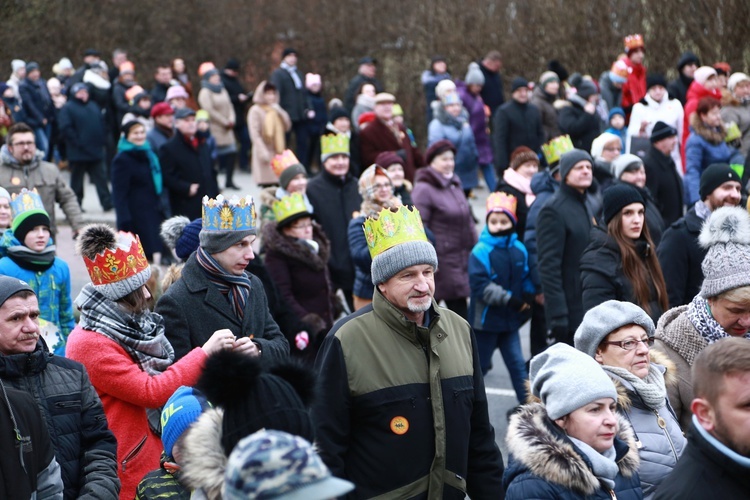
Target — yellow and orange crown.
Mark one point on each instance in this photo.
(125, 261)
(393, 227)
(634, 41)
(502, 202)
(555, 148)
(282, 161)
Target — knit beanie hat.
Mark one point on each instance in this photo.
(569, 159)
(438, 148)
(604, 319)
(10, 286)
(27, 210)
(726, 266)
(176, 91)
(338, 112)
(181, 235)
(703, 73)
(598, 144)
(290, 173)
(272, 464)
(626, 163)
(586, 89)
(218, 234)
(444, 87)
(714, 176)
(735, 79)
(687, 58)
(257, 395)
(566, 379)
(32, 66)
(557, 67)
(388, 158)
(618, 196)
(518, 82)
(661, 131)
(547, 77)
(17, 64)
(655, 79)
(474, 75)
(616, 111)
(4, 193)
(389, 263)
(521, 155)
(181, 410)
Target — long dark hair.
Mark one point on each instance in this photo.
(642, 271)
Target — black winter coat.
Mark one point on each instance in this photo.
(563, 229)
(36, 102)
(680, 257)
(182, 165)
(82, 126)
(354, 86)
(335, 200)
(704, 472)
(159, 93)
(292, 99)
(492, 90)
(679, 86)
(84, 446)
(602, 277)
(514, 125)
(582, 127)
(665, 185)
(137, 206)
(234, 89)
(120, 104)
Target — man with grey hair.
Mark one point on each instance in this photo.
(385, 417)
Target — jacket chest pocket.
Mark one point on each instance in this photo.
(394, 416)
(63, 406)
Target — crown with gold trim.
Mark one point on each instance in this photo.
(26, 201)
(555, 148)
(234, 214)
(289, 206)
(502, 202)
(393, 227)
(634, 41)
(282, 161)
(333, 144)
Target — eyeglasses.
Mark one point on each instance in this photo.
(378, 187)
(614, 148)
(630, 344)
(26, 144)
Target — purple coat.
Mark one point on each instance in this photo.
(446, 212)
(478, 121)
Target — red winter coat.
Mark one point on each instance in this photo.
(634, 89)
(377, 138)
(695, 93)
(126, 391)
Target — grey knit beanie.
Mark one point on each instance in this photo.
(566, 379)
(625, 163)
(411, 253)
(474, 75)
(569, 159)
(726, 266)
(604, 319)
(290, 173)
(218, 241)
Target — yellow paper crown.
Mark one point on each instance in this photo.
(393, 227)
(634, 41)
(502, 202)
(333, 144)
(282, 161)
(555, 148)
(289, 206)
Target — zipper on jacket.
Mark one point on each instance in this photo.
(67, 404)
(663, 425)
(130, 456)
(612, 494)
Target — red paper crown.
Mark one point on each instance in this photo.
(502, 202)
(282, 161)
(633, 42)
(125, 261)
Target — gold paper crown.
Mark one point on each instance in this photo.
(126, 260)
(289, 206)
(502, 202)
(393, 227)
(634, 41)
(555, 148)
(733, 132)
(282, 161)
(235, 214)
(333, 144)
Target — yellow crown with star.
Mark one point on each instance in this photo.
(289, 206)
(334, 144)
(282, 161)
(634, 41)
(555, 148)
(393, 227)
(234, 214)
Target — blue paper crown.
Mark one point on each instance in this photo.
(235, 214)
(26, 201)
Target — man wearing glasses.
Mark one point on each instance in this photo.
(22, 166)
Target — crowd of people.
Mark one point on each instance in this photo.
(331, 338)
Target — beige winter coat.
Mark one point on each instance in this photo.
(221, 111)
(263, 152)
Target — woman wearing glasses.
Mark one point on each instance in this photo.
(618, 335)
(620, 262)
(721, 308)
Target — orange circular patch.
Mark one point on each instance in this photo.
(15, 181)
(399, 425)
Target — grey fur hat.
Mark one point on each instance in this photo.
(566, 379)
(604, 319)
(726, 266)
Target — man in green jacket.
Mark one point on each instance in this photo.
(402, 410)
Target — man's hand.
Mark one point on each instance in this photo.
(245, 345)
(194, 189)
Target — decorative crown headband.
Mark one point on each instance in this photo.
(126, 260)
(502, 202)
(555, 148)
(289, 206)
(282, 161)
(332, 144)
(235, 214)
(393, 227)
(634, 41)
(26, 201)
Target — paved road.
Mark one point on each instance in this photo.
(499, 389)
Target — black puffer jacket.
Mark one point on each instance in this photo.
(582, 127)
(84, 446)
(602, 277)
(680, 257)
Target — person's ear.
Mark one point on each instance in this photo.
(562, 422)
(704, 412)
(598, 356)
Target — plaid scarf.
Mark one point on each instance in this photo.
(235, 288)
(699, 314)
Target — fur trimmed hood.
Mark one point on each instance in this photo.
(712, 135)
(274, 240)
(267, 196)
(204, 461)
(540, 448)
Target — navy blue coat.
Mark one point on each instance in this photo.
(36, 102)
(137, 205)
(82, 127)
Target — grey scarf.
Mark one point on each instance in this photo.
(603, 464)
(292, 70)
(651, 389)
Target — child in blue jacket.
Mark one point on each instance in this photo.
(499, 278)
